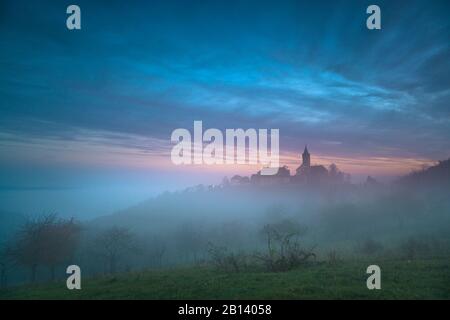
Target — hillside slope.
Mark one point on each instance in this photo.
(420, 279)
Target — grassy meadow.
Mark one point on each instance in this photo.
(400, 279)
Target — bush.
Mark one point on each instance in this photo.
(284, 251)
(225, 260)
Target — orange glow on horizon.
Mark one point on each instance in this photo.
(98, 154)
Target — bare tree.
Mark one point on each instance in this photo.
(29, 247)
(47, 241)
(113, 244)
(284, 251)
(61, 239)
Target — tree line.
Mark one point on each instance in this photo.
(49, 242)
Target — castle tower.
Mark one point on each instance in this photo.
(306, 158)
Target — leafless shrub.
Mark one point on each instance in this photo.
(225, 260)
(284, 251)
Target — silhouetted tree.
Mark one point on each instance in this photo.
(113, 244)
(47, 241)
(61, 239)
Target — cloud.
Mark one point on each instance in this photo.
(135, 73)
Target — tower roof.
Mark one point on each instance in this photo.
(306, 150)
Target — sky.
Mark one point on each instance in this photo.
(89, 113)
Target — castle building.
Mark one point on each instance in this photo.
(306, 157)
(310, 174)
(305, 174)
(283, 176)
(306, 162)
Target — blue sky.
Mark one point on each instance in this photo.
(109, 95)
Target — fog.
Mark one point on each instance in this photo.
(84, 193)
(233, 225)
(83, 203)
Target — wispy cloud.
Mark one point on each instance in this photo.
(114, 92)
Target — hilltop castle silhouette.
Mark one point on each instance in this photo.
(305, 174)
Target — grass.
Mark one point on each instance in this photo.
(400, 279)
